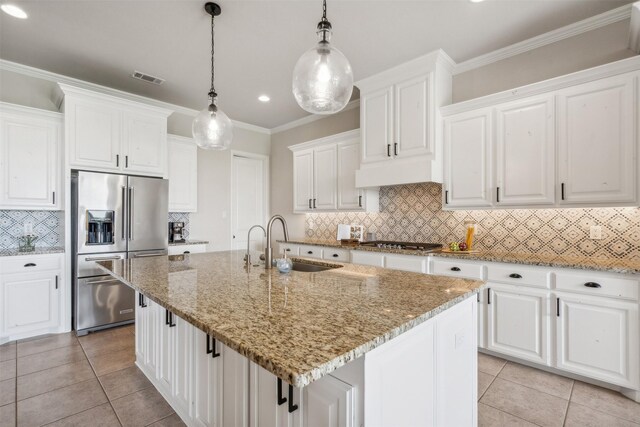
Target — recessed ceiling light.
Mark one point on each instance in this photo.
(264, 98)
(13, 10)
(475, 1)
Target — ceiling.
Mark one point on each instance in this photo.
(258, 42)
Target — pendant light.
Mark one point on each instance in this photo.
(322, 77)
(212, 129)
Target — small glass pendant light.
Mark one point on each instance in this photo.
(322, 77)
(212, 129)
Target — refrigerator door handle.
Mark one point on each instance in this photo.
(124, 211)
(149, 255)
(130, 213)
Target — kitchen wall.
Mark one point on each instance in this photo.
(414, 213)
(47, 225)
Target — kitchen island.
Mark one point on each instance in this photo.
(231, 345)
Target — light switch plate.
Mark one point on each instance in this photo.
(595, 232)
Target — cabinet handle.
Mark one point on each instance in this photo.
(171, 323)
(497, 194)
(186, 252)
(335, 255)
(455, 268)
(310, 252)
(314, 203)
(562, 191)
(593, 285)
(292, 407)
(488, 295)
(388, 150)
(309, 203)
(446, 197)
(212, 349)
(56, 281)
(126, 161)
(288, 249)
(117, 160)
(53, 197)
(168, 318)
(360, 201)
(515, 276)
(29, 264)
(141, 301)
(281, 399)
(558, 307)
(478, 297)
(395, 148)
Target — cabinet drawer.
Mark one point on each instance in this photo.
(311, 252)
(518, 275)
(30, 263)
(457, 269)
(405, 263)
(289, 249)
(593, 284)
(333, 254)
(367, 258)
(187, 249)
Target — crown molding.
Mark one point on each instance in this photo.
(331, 139)
(610, 17)
(602, 71)
(81, 84)
(634, 28)
(7, 107)
(312, 118)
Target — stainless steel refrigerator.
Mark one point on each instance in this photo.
(113, 217)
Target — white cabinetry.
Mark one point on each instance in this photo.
(324, 176)
(31, 296)
(106, 133)
(398, 109)
(30, 159)
(597, 141)
(182, 172)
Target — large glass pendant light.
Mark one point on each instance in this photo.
(212, 129)
(322, 77)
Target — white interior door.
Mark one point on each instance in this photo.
(248, 200)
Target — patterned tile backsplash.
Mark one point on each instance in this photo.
(47, 225)
(414, 213)
(178, 217)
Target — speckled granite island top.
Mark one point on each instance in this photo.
(299, 326)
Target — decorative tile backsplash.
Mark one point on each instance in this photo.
(47, 225)
(181, 217)
(414, 213)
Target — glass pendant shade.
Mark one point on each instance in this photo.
(322, 78)
(212, 130)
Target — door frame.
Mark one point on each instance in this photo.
(265, 191)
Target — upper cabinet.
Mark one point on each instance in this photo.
(182, 173)
(30, 158)
(106, 133)
(324, 173)
(568, 144)
(398, 111)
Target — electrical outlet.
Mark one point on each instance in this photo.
(595, 232)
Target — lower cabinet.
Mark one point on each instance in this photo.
(518, 322)
(598, 338)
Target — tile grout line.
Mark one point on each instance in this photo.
(573, 384)
(509, 413)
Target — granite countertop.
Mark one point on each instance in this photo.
(38, 251)
(189, 242)
(622, 266)
(299, 326)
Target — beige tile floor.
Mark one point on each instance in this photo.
(61, 380)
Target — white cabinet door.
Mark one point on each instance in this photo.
(166, 349)
(207, 381)
(598, 338)
(30, 302)
(266, 409)
(93, 134)
(329, 402)
(413, 123)
(525, 152)
(518, 322)
(376, 124)
(144, 143)
(183, 366)
(349, 197)
(182, 172)
(235, 393)
(303, 181)
(467, 160)
(597, 141)
(140, 329)
(154, 315)
(30, 166)
(325, 173)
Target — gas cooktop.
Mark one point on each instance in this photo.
(387, 244)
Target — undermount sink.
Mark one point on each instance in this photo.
(311, 268)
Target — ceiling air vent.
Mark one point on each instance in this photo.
(147, 78)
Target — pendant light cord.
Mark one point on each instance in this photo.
(324, 10)
(212, 93)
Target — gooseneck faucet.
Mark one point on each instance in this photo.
(268, 250)
(247, 257)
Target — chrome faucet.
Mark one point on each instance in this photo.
(247, 257)
(268, 250)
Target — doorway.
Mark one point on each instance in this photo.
(249, 198)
